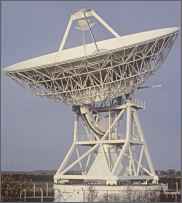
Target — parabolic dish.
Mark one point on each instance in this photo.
(119, 68)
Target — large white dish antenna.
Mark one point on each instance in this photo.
(96, 71)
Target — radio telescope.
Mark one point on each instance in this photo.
(99, 79)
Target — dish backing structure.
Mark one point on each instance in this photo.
(109, 155)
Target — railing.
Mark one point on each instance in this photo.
(139, 103)
(39, 197)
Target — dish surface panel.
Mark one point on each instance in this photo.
(119, 69)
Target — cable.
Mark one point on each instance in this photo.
(91, 32)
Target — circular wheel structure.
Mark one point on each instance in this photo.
(96, 71)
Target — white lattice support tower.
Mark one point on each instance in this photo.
(114, 157)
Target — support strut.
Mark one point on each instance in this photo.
(108, 156)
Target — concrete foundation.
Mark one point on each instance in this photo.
(105, 193)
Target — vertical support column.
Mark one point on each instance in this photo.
(128, 122)
(69, 153)
(107, 148)
(109, 124)
(128, 135)
(75, 133)
(149, 161)
(140, 160)
(123, 150)
(132, 167)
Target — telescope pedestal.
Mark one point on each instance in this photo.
(106, 156)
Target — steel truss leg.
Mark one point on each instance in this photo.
(131, 122)
(136, 167)
(72, 148)
(63, 168)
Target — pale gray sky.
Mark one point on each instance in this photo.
(36, 133)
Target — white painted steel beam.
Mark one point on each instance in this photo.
(104, 144)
